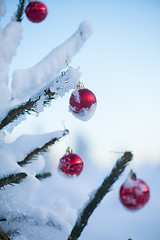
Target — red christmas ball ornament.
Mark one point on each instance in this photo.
(36, 11)
(134, 193)
(70, 164)
(82, 103)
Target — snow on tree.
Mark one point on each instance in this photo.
(20, 171)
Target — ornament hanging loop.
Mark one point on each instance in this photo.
(69, 150)
(68, 64)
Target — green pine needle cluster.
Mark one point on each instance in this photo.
(12, 179)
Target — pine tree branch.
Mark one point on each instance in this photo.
(36, 151)
(13, 178)
(20, 10)
(3, 236)
(44, 97)
(98, 195)
(27, 107)
(43, 175)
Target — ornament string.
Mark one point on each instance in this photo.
(67, 137)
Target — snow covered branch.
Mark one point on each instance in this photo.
(36, 151)
(50, 66)
(13, 178)
(98, 195)
(57, 87)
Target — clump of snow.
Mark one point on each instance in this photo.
(137, 184)
(16, 198)
(15, 123)
(40, 104)
(85, 30)
(68, 80)
(7, 106)
(12, 35)
(76, 96)
(59, 86)
(5, 94)
(38, 224)
(8, 163)
(10, 38)
(85, 114)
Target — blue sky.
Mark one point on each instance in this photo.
(119, 63)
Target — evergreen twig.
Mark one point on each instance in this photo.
(44, 95)
(3, 236)
(27, 107)
(98, 195)
(43, 175)
(13, 178)
(20, 10)
(36, 151)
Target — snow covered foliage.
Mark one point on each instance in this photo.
(50, 66)
(31, 89)
(16, 207)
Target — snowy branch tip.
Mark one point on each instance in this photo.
(86, 30)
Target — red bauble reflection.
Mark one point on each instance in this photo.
(134, 193)
(71, 164)
(36, 11)
(82, 103)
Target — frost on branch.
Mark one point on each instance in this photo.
(50, 66)
(26, 147)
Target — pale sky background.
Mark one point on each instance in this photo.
(120, 63)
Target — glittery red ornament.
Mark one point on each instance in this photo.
(71, 164)
(82, 103)
(36, 11)
(134, 193)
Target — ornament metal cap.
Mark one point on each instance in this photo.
(80, 85)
